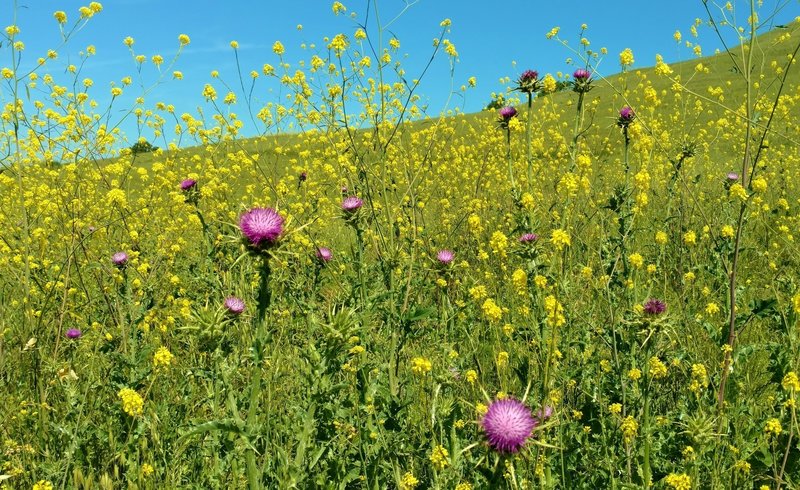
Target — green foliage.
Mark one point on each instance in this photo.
(142, 147)
(374, 369)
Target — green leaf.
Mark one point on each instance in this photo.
(419, 314)
(226, 425)
(763, 307)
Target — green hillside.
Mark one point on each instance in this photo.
(719, 75)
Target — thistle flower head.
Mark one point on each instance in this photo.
(528, 81)
(352, 204)
(188, 184)
(508, 424)
(507, 112)
(626, 116)
(654, 307)
(581, 74)
(445, 256)
(528, 238)
(528, 76)
(324, 254)
(119, 259)
(261, 227)
(73, 333)
(234, 305)
(581, 81)
(732, 176)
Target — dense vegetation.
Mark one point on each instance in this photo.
(610, 271)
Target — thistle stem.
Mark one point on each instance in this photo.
(510, 163)
(264, 298)
(528, 130)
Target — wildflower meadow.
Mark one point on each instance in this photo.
(594, 283)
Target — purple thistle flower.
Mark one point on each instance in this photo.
(626, 116)
(73, 333)
(732, 176)
(507, 112)
(581, 81)
(528, 238)
(581, 74)
(528, 82)
(324, 254)
(529, 76)
(120, 259)
(261, 226)
(303, 176)
(352, 204)
(234, 305)
(544, 413)
(445, 256)
(654, 307)
(188, 184)
(508, 424)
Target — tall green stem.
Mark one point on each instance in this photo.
(360, 266)
(264, 294)
(646, 416)
(264, 298)
(510, 162)
(528, 131)
(576, 130)
(740, 222)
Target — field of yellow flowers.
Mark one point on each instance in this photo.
(595, 287)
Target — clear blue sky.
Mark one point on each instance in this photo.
(489, 36)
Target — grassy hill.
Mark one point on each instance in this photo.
(720, 75)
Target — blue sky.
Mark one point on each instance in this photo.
(493, 39)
